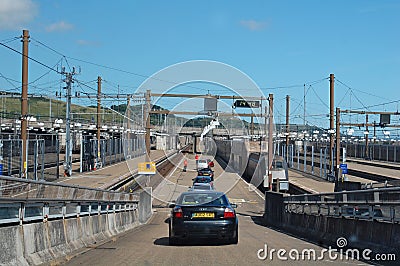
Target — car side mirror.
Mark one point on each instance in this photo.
(234, 205)
(172, 204)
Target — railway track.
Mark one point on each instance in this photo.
(164, 165)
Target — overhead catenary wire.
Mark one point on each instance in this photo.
(30, 58)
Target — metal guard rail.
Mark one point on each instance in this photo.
(17, 188)
(17, 211)
(372, 204)
(23, 200)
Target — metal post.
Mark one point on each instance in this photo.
(320, 162)
(10, 156)
(98, 158)
(68, 141)
(35, 159)
(312, 159)
(305, 157)
(325, 164)
(331, 118)
(270, 136)
(43, 148)
(332, 166)
(298, 159)
(21, 156)
(287, 125)
(337, 161)
(81, 157)
(147, 122)
(58, 157)
(387, 153)
(24, 102)
(292, 154)
(366, 155)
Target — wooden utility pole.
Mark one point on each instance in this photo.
(287, 121)
(24, 101)
(98, 118)
(270, 138)
(337, 142)
(331, 118)
(147, 123)
(366, 136)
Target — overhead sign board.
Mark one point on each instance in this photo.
(246, 104)
(384, 119)
(147, 168)
(210, 104)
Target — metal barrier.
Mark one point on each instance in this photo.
(23, 200)
(370, 204)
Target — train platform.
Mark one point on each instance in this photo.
(310, 183)
(377, 168)
(385, 164)
(104, 177)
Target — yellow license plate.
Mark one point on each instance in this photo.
(203, 215)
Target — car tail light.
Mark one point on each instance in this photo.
(229, 213)
(178, 213)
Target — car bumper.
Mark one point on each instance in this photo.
(204, 229)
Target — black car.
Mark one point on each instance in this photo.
(206, 172)
(203, 179)
(203, 215)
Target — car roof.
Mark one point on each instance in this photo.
(202, 161)
(202, 176)
(211, 192)
(204, 169)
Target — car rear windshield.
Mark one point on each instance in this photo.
(202, 180)
(203, 199)
(208, 187)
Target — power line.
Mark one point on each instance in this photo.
(30, 58)
(319, 97)
(10, 40)
(344, 96)
(9, 81)
(300, 103)
(370, 94)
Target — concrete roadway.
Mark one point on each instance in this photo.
(148, 244)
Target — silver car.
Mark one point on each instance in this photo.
(201, 186)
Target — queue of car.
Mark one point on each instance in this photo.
(202, 212)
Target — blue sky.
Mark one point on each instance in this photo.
(281, 45)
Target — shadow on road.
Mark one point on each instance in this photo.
(164, 241)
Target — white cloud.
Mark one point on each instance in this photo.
(253, 25)
(16, 14)
(59, 26)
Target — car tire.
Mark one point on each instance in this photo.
(235, 239)
(173, 241)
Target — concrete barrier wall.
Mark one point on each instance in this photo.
(379, 236)
(56, 240)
